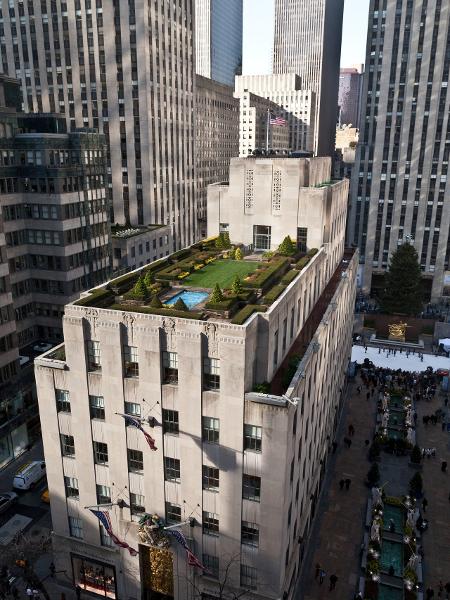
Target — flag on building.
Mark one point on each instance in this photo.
(274, 120)
(104, 518)
(133, 422)
(192, 560)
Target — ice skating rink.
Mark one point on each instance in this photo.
(399, 361)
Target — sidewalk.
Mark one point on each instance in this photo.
(338, 531)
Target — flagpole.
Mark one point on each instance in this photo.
(267, 130)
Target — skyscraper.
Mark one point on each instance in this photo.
(308, 42)
(218, 39)
(399, 185)
(126, 68)
(350, 87)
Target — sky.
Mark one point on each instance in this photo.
(258, 34)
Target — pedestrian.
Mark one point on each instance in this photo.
(334, 446)
(358, 390)
(430, 594)
(443, 425)
(317, 571)
(444, 466)
(366, 442)
(351, 430)
(424, 505)
(446, 400)
(322, 575)
(347, 483)
(341, 484)
(441, 589)
(333, 581)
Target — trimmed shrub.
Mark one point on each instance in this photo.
(180, 254)
(291, 369)
(226, 240)
(416, 485)
(301, 264)
(290, 276)
(225, 304)
(373, 475)
(149, 278)
(240, 317)
(166, 312)
(180, 305)
(217, 295)
(263, 277)
(140, 291)
(374, 451)
(101, 298)
(156, 302)
(238, 254)
(219, 242)
(262, 388)
(273, 294)
(236, 286)
(312, 252)
(416, 455)
(287, 247)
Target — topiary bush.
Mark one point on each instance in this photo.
(156, 302)
(216, 296)
(238, 254)
(236, 286)
(287, 247)
(180, 305)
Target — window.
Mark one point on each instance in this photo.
(71, 486)
(67, 445)
(93, 355)
(212, 564)
(252, 438)
(137, 504)
(170, 367)
(211, 374)
(210, 478)
(250, 534)
(261, 237)
(302, 239)
(103, 494)
(172, 469)
(249, 577)
(95, 577)
(133, 409)
(135, 460)
(251, 487)
(97, 407)
(76, 527)
(130, 361)
(210, 430)
(105, 540)
(173, 513)
(100, 453)
(62, 401)
(170, 421)
(210, 523)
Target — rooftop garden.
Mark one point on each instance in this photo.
(212, 278)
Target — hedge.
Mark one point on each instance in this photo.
(166, 312)
(180, 254)
(290, 276)
(264, 277)
(126, 282)
(240, 317)
(273, 294)
(226, 304)
(312, 252)
(100, 297)
(302, 263)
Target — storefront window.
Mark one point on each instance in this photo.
(94, 577)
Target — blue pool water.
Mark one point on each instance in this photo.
(191, 299)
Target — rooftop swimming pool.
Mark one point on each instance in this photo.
(191, 299)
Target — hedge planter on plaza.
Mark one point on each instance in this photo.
(415, 458)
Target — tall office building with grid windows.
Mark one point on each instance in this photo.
(399, 185)
(126, 68)
(308, 42)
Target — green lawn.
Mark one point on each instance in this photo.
(222, 272)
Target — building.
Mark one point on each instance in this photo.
(298, 104)
(54, 243)
(399, 186)
(255, 130)
(217, 137)
(237, 471)
(127, 69)
(218, 39)
(349, 99)
(344, 158)
(134, 247)
(308, 42)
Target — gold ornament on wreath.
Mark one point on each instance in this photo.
(398, 330)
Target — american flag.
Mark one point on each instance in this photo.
(274, 120)
(179, 536)
(193, 561)
(103, 517)
(133, 422)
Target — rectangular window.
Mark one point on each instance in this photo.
(172, 469)
(211, 373)
(67, 445)
(170, 421)
(97, 407)
(103, 494)
(212, 564)
(251, 487)
(93, 355)
(210, 478)
(302, 239)
(76, 527)
(170, 367)
(252, 438)
(261, 237)
(250, 534)
(130, 361)
(71, 486)
(94, 577)
(249, 577)
(133, 409)
(135, 461)
(210, 523)
(173, 513)
(210, 430)
(100, 453)
(105, 540)
(62, 401)
(137, 502)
